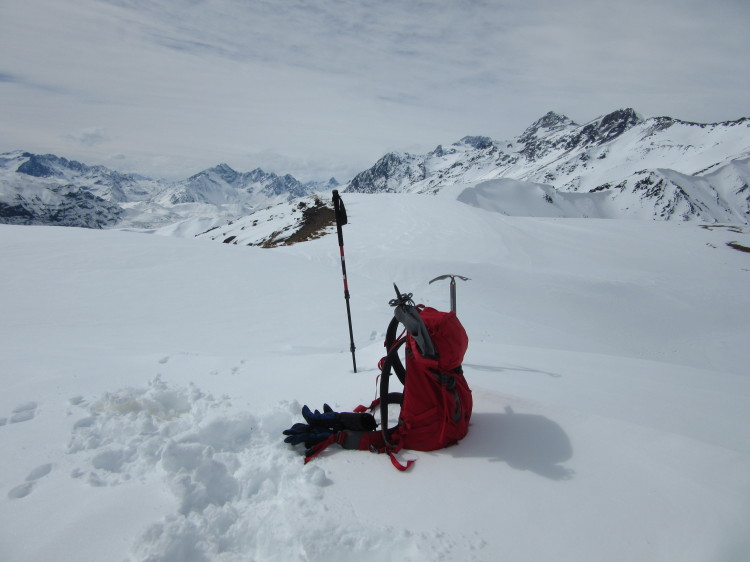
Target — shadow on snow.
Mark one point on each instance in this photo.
(523, 441)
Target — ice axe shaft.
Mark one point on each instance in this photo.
(452, 286)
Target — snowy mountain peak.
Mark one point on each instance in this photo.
(477, 142)
(388, 174)
(222, 185)
(616, 123)
(47, 165)
(551, 122)
(603, 129)
(223, 171)
(258, 175)
(322, 186)
(48, 189)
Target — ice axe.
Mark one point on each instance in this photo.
(453, 286)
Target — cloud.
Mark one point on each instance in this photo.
(339, 83)
(26, 83)
(90, 137)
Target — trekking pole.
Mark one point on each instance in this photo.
(341, 220)
(453, 286)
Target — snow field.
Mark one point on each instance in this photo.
(147, 380)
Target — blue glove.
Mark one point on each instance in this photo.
(309, 435)
(328, 418)
(353, 421)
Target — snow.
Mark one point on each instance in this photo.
(147, 379)
(660, 168)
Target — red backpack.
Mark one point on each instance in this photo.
(435, 402)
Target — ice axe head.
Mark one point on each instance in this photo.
(453, 286)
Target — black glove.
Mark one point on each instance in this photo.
(321, 425)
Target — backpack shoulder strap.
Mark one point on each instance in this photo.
(387, 397)
(390, 341)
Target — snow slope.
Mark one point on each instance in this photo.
(147, 380)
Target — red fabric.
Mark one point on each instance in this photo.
(448, 336)
(395, 462)
(323, 445)
(361, 408)
(427, 414)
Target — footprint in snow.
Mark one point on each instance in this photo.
(23, 490)
(39, 472)
(24, 412)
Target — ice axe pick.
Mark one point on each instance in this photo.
(453, 286)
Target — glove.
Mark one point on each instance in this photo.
(338, 421)
(321, 425)
(328, 418)
(309, 435)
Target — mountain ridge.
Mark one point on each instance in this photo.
(613, 154)
(46, 189)
(619, 165)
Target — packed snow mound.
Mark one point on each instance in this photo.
(649, 195)
(527, 199)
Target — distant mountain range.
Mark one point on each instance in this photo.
(48, 189)
(617, 166)
(620, 165)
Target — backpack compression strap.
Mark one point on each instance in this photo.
(361, 440)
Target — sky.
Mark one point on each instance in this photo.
(324, 88)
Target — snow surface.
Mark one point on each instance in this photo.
(147, 379)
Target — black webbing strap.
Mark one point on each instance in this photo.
(447, 380)
(390, 340)
(385, 375)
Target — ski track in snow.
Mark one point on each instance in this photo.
(241, 493)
